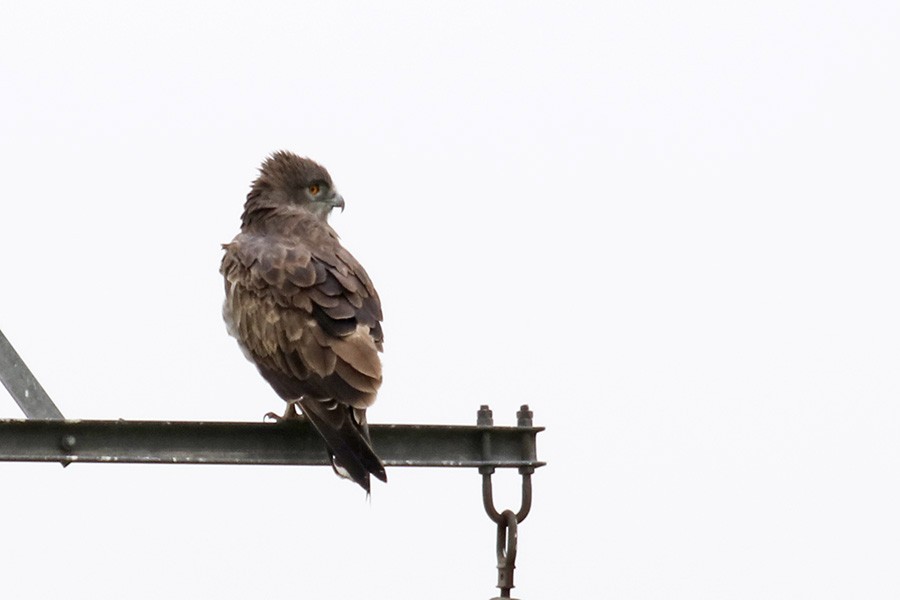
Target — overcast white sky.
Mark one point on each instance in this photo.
(670, 228)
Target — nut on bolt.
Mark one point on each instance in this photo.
(525, 416)
(485, 416)
(67, 442)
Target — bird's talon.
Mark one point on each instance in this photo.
(274, 417)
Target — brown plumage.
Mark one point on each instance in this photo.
(304, 311)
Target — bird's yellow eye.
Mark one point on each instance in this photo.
(314, 189)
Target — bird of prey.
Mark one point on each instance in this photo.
(304, 311)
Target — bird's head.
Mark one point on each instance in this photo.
(289, 181)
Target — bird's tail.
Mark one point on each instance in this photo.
(346, 434)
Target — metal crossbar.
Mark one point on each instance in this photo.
(284, 443)
(45, 436)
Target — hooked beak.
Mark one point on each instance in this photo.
(337, 201)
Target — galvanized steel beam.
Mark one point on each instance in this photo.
(22, 385)
(284, 443)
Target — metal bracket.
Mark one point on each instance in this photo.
(507, 521)
(47, 437)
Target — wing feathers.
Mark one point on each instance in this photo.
(311, 315)
(319, 358)
(359, 352)
(356, 379)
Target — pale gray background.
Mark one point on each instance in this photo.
(669, 227)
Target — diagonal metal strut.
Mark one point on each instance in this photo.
(23, 386)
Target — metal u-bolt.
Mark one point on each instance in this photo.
(487, 496)
(507, 521)
(485, 419)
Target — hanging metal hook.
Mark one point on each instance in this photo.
(507, 546)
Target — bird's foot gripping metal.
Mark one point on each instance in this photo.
(507, 521)
(291, 413)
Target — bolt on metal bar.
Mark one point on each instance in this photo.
(23, 386)
(286, 443)
(507, 521)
